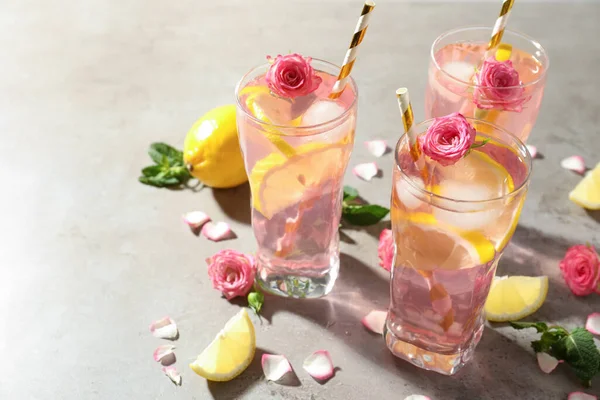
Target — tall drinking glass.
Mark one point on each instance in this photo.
(295, 153)
(452, 86)
(450, 227)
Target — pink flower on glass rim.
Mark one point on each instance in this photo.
(291, 76)
(385, 250)
(232, 272)
(499, 86)
(581, 269)
(448, 139)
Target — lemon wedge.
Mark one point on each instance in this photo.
(515, 297)
(230, 352)
(587, 192)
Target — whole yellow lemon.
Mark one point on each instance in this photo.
(211, 150)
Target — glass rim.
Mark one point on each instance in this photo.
(423, 191)
(535, 43)
(304, 128)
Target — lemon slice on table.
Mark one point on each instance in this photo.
(230, 352)
(587, 192)
(278, 181)
(515, 297)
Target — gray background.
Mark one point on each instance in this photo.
(90, 257)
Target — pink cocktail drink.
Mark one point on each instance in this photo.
(452, 85)
(295, 153)
(450, 226)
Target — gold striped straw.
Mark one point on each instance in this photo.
(500, 25)
(440, 299)
(408, 120)
(504, 50)
(359, 34)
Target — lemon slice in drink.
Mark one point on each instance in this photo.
(230, 352)
(257, 99)
(278, 181)
(427, 244)
(587, 192)
(515, 297)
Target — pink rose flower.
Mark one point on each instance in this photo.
(581, 269)
(499, 86)
(448, 139)
(292, 76)
(385, 250)
(232, 272)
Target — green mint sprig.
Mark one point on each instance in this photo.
(360, 214)
(576, 348)
(256, 301)
(169, 168)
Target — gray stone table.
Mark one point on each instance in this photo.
(89, 256)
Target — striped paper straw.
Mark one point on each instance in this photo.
(408, 120)
(359, 34)
(500, 25)
(441, 302)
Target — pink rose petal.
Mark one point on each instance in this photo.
(319, 365)
(164, 329)
(546, 362)
(376, 147)
(173, 375)
(366, 171)
(217, 231)
(195, 219)
(275, 366)
(581, 396)
(574, 163)
(593, 323)
(162, 351)
(417, 397)
(374, 321)
(532, 150)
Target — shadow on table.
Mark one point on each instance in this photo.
(235, 202)
(253, 375)
(594, 214)
(532, 253)
(499, 362)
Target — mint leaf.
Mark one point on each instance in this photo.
(350, 193)
(547, 341)
(169, 169)
(158, 181)
(256, 301)
(539, 326)
(152, 170)
(579, 351)
(158, 150)
(367, 214)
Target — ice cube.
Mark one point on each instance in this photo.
(405, 193)
(465, 191)
(468, 216)
(323, 111)
(459, 70)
